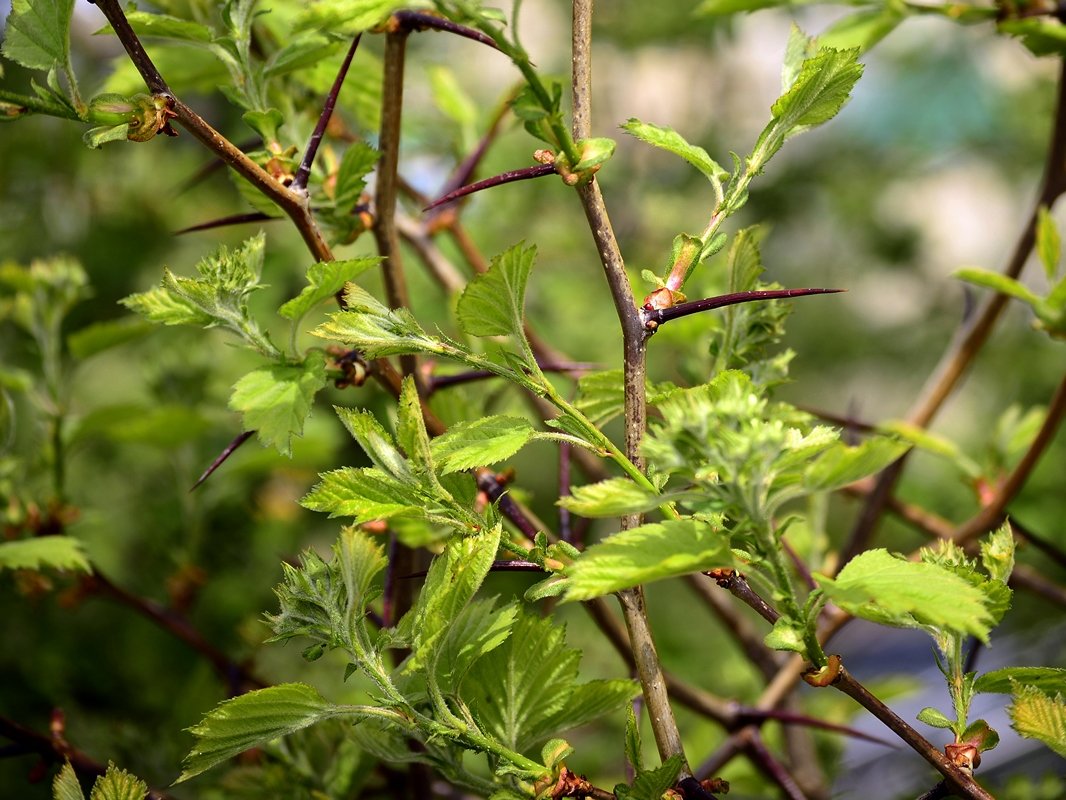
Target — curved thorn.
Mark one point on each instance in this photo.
(654, 317)
(226, 453)
(299, 182)
(420, 21)
(525, 174)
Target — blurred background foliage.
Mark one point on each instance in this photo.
(932, 166)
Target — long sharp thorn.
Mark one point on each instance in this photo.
(299, 182)
(789, 718)
(226, 453)
(420, 21)
(222, 222)
(654, 317)
(539, 171)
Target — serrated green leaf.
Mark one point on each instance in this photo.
(1051, 680)
(160, 305)
(891, 591)
(453, 579)
(492, 303)
(66, 786)
(821, 89)
(798, 49)
(647, 553)
(673, 142)
(933, 717)
(1048, 242)
(634, 748)
(841, 465)
(997, 553)
(101, 336)
(376, 442)
(601, 395)
(411, 432)
(476, 630)
(44, 552)
(522, 692)
(1036, 715)
(358, 162)
(652, 784)
(611, 498)
(117, 784)
(325, 279)
(374, 329)
(998, 282)
(481, 442)
(276, 401)
(363, 494)
(251, 720)
(37, 33)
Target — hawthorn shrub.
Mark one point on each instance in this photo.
(526, 427)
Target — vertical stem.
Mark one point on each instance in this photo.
(385, 231)
(649, 669)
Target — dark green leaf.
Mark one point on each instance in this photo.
(492, 304)
(891, 591)
(673, 142)
(476, 630)
(357, 163)
(647, 553)
(276, 401)
(652, 784)
(37, 33)
(100, 336)
(251, 720)
(44, 552)
(325, 279)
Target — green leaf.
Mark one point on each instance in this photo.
(1048, 242)
(820, 90)
(101, 336)
(891, 591)
(276, 401)
(611, 498)
(117, 784)
(863, 29)
(411, 431)
(601, 395)
(998, 282)
(1036, 715)
(349, 17)
(219, 297)
(787, 634)
(251, 720)
(476, 630)
(1051, 680)
(652, 784)
(44, 552)
(798, 49)
(673, 142)
(376, 330)
(481, 442)
(325, 279)
(524, 692)
(594, 152)
(647, 553)
(841, 465)
(453, 101)
(981, 735)
(358, 162)
(634, 748)
(164, 26)
(102, 134)
(937, 719)
(363, 494)
(997, 553)
(1041, 36)
(492, 303)
(37, 34)
(66, 785)
(715, 8)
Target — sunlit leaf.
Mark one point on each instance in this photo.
(117, 784)
(37, 34)
(325, 279)
(670, 140)
(44, 552)
(481, 442)
(1039, 716)
(276, 401)
(492, 304)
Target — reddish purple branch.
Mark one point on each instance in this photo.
(303, 173)
(654, 317)
(525, 174)
(421, 21)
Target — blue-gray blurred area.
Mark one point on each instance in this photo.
(933, 166)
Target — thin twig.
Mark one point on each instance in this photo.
(422, 21)
(761, 756)
(738, 626)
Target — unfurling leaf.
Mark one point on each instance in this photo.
(253, 719)
(673, 142)
(117, 784)
(276, 401)
(377, 331)
(934, 718)
(66, 785)
(647, 553)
